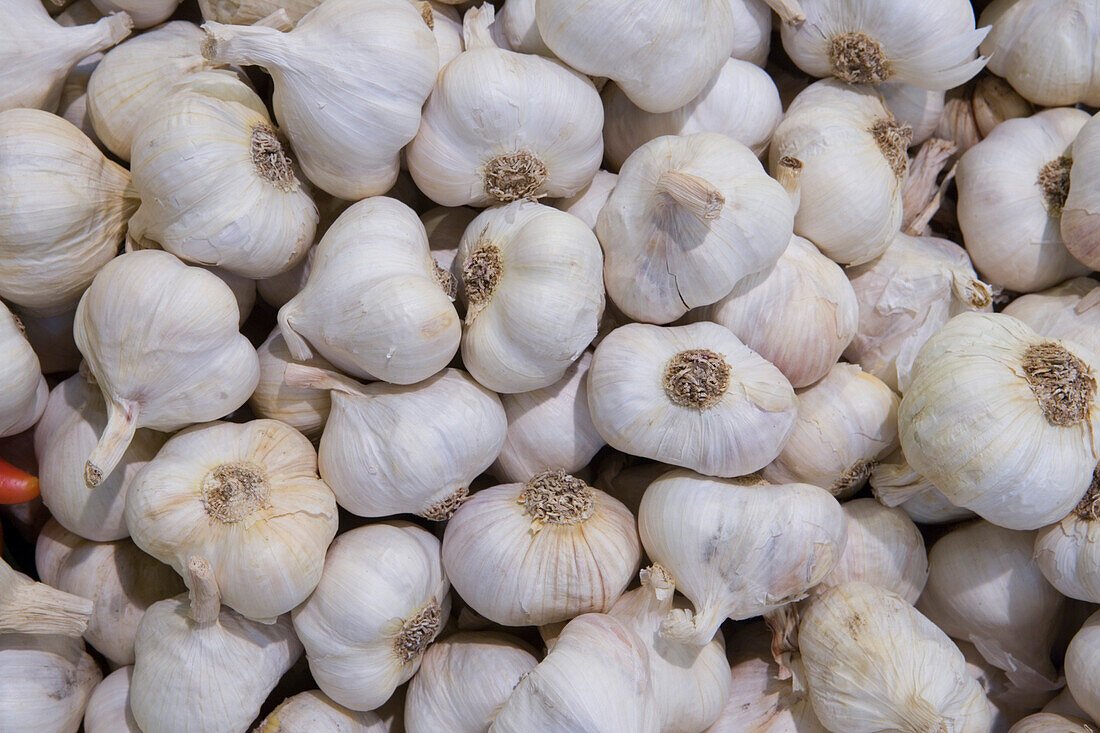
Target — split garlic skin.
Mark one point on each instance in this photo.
(108, 708)
(25, 393)
(312, 710)
(45, 683)
(1068, 310)
(1082, 667)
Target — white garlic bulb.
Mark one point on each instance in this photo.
(376, 304)
(51, 337)
(1067, 310)
(752, 29)
(446, 24)
(1012, 189)
(1082, 668)
(587, 203)
(313, 712)
(120, 580)
(1051, 723)
(24, 392)
(247, 499)
(108, 708)
(1068, 552)
(1079, 223)
(144, 13)
(905, 296)
(1002, 420)
(691, 396)
(515, 28)
(895, 483)
(854, 166)
(161, 340)
(405, 449)
(690, 217)
(596, 678)
(1007, 701)
(381, 601)
(873, 663)
(845, 423)
(737, 548)
(38, 53)
(303, 408)
(462, 681)
(350, 80)
(45, 683)
(49, 254)
(921, 109)
(247, 12)
(532, 281)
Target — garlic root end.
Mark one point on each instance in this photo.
(36, 608)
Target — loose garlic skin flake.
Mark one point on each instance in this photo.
(23, 390)
(692, 396)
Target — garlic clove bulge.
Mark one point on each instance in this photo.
(313, 712)
(1068, 552)
(1082, 668)
(24, 393)
(752, 29)
(45, 683)
(1051, 723)
(108, 708)
(145, 13)
(895, 483)
(515, 28)
(587, 203)
(970, 114)
(1068, 310)
(303, 408)
(446, 24)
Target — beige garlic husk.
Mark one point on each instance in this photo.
(921, 109)
(1002, 420)
(38, 53)
(690, 217)
(1068, 310)
(1012, 190)
(692, 396)
(303, 408)
(905, 296)
(247, 12)
(392, 319)
(776, 543)
(45, 683)
(1080, 223)
(120, 580)
(531, 278)
(596, 677)
(51, 337)
(49, 255)
(740, 101)
(854, 168)
(383, 598)
(1051, 723)
(587, 203)
(445, 226)
(247, 499)
(1082, 668)
(446, 24)
(351, 78)
(313, 712)
(501, 126)
(25, 392)
(971, 113)
(800, 315)
(27, 607)
(1068, 553)
(405, 449)
(985, 587)
(515, 28)
(201, 666)
(895, 484)
(463, 680)
(108, 709)
(161, 340)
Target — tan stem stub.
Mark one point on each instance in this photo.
(1053, 181)
(447, 282)
(1088, 508)
(697, 378)
(514, 176)
(233, 491)
(692, 193)
(555, 497)
(426, 13)
(1062, 383)
(203, 592)
(270, 159)
(858, 59)
(417, 632)
(443, 510)
(480, 274)
(893, 140)
(853, 478)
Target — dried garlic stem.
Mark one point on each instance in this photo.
(514, 176)
(893, 141)
(27, 607)
(1054, 183)
(417, 632)
(443, 510)
(555, 497)
(789, 176)
(697, 378)
(693, 193)
(300, 375)
(206, 599)
(121, 425)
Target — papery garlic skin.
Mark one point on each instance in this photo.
(462, 681)
(1081, 667)
(1068, 553)
(446, 25)
(895, 483)
(381, 601)
(1002, 420)
(587, 203)
(45, 683)
(303, 408)
(247, 12)
(350, 80)
(1007, 701)
(737, 548)
(1068, 310)
(1051, 723)
(690, 217)
(692, 396)
(1012, 190)
(921, 109)
(971, 115)
(313, 711)
(108, 708)
(24, 393)
(1079, 221)
(145, 13)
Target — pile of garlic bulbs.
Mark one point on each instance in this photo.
(538, 366)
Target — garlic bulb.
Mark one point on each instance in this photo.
(1079, 223)
(303, 408)
(690, 684)
(45, 682)
(73, 104)
(970, 114)
(690, 217)
(501, 126)
(49, 254)
(499, 544)
(737, 548)
(38, 53)
(1008, 702)
(596, 678)
(1051, 723)
(350, 80)
(51, 337)
(120, 580)
(375, 302)
(446, 24)
(549, 427)
(587, 203)
(1064, 704)
(854, 166)
(921, 109)
(1081, 667)
(25, 392)
(532, 280)
(515, 28)
(246, 498)
(1012, 189)
(462, 681)
(244, 290)
(392, 449)
(741, 102)
(752, 29)
(160, 338)
(313, 712)
(692, 396)
(905, 296)
(145, 13)
(895, 483)
(381, 601)
(1067, 310)
(1068, 552)
(873, 663)
(800, 315)
(108, 708)
(1002, 420)
(985, 587)
(27, 607)
(247, 12)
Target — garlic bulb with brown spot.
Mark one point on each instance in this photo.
(895, 483)
(108, 708)
(313, 712)
(1068, 310)
(45, 683)
(303, 408)
(24, 393)
(1068, 553)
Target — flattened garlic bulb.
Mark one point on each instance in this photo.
(1067, 310)
(873, 663)
(1083, 666)
(1068, 552)
(303, 408)
(247, 499)
(737, 548)
(24, 391)
(381, 601)
(350, 80)
(313, 712)
(895, 483)
(692, 396)
(532, 281)
(1002, 420)
(161, 340)
(376, 304)
(587, 203)
(463, 680)
(690, 217)
(45, 683)
(49, 254)
(108, 708)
